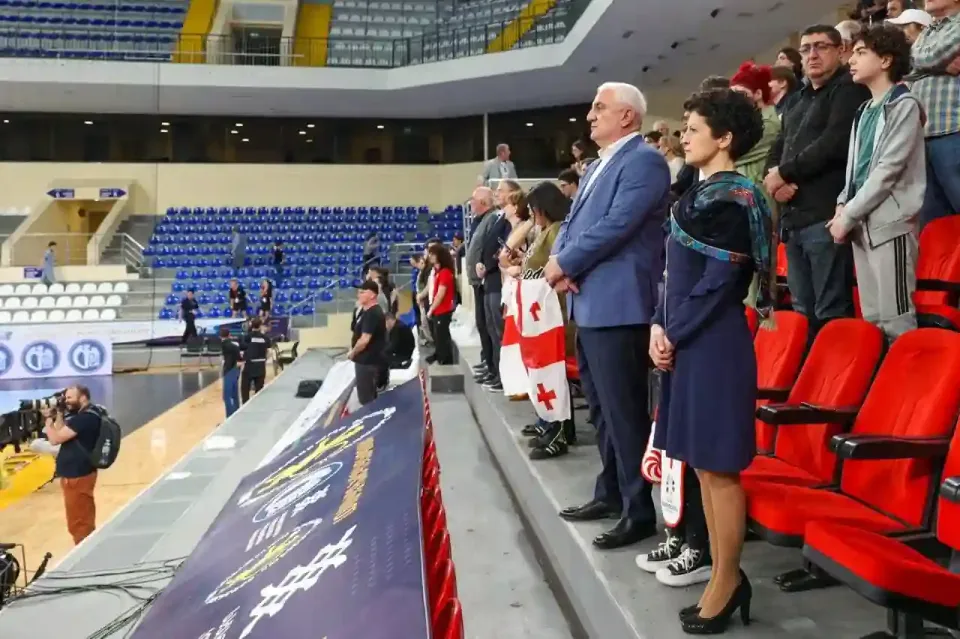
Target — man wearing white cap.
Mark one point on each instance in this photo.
(912, 22)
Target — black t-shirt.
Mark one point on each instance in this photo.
(277, 255)
(189, 307)
(231, 354)
(255, 350)
(266, 300)
(238, 299)
(401, 342)
(73, 460)
(371, 322)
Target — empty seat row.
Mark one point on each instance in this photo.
(117, 7)
(57, 288)
(92, 21)
(62, 301)
(300, 210)
(58, 315)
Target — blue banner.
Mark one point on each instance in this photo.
(324, 542)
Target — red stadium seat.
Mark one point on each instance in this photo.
(779, 352)
(835, 375)
(915, 397)
(753, 319)
(783, 291)
(938, 274)
(442, 586)
(891, 573)
(449, 624)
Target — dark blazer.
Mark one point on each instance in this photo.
(611, 244)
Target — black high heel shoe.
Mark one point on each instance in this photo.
(697, 625)
(689, 611)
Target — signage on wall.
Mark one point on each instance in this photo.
(32, 272)
(23, 357)
(61, 194)
(111, 194)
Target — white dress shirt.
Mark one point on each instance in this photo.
(604, 158)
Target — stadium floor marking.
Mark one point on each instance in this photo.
(37, 520)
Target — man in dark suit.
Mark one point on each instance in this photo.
(607, 258)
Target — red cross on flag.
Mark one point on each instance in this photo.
(542, 345)
(513, 375)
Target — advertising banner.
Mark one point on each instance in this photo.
(324, 541)
(28, 355)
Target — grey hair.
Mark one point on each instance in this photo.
(503, 146)
(484, 194)
(849, 30)
(629, 96)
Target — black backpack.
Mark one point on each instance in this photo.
(309, 387)
(108, 441)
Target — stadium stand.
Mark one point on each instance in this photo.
(71, 302)
(323, 249)
(117, 30)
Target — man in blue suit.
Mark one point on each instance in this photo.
(607, 258)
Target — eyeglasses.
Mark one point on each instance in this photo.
(819, 47)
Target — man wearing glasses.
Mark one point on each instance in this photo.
(806, 172)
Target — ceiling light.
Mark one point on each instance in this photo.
(245, 140)
(380, 127)
(529, 123)
(164, 131)
(309, 140)
(88, 122)
(164, 124)
(310, 126)
(573, 119)
(6, 121)
(301, 132)
(238, 124)
(234, 131)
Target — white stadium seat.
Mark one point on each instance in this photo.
(121, 287)
(6, 289)
(21, 317)
(108, 314)
(64, 301)
(72, 288)
(74, 315)
(48, 302)
(114, 300)
(30, 302)
(98, 301)
(56, 289)
(91, 314)
(22, 289)
(89, 288)
(38, 316)
(81, 301)
(56, 316)
(13, 302)
(5, 317)
(105, 287)
(39, 289)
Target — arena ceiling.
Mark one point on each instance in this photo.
(664, 46)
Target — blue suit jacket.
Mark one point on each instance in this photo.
(611, 244)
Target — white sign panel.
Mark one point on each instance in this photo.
(30, 356)
(120, 332)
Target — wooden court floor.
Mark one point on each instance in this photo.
(37, 520)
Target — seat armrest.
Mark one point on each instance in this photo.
(938, 285)
(950, 490)
(773, 394)
(848, 446)
(789, 414)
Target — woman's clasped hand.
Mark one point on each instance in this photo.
(661, 350)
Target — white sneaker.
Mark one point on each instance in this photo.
(664, 553)
(691, 567)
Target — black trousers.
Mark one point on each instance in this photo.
(366, 377)
(251, 376)
(440, 327)
(693, 526)
(614, 372)
(480, 317)
(190, 330)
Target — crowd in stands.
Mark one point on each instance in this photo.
(826, 167)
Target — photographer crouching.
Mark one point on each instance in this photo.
(76, 428)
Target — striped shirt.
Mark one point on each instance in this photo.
(938, 92)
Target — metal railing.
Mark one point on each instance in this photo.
(129, 252)
(71, 249)
(380, 50)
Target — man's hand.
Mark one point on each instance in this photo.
(954, 67)
(773, 181)
(552, 271)
(835, 226)
(564, 285)
(661, 350)
(785, 193)
(481, 271)
(351, 354)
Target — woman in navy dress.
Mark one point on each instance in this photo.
(719, 237)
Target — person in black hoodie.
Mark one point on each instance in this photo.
(806, 171)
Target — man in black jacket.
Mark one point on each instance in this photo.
(806, 170)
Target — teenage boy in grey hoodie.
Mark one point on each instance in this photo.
(886, 179)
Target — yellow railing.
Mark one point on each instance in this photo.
(313, 29)
(196, 25)
(515, 29)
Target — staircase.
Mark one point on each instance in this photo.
(121, 250)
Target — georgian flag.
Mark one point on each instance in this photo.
(513, 376)
(542, 344)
